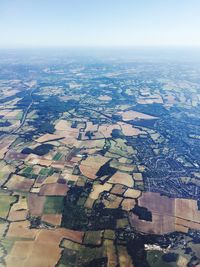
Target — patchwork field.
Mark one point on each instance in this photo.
(99, 162)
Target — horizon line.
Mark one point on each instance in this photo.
(100, 47)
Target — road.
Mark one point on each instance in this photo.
(25, 113)
(23, 117)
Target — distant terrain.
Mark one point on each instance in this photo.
(99, 162)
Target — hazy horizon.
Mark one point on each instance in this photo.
(122, 54)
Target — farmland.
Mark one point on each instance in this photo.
(99, 164)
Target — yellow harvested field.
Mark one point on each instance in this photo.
(64, 125)
(6, 200)
(141, 168)
(132, 193)
(35, 190)
(112, 202)
(134, 115)
(19, 210)
(51, 179)
(31, 83)
(88, 171)
(75, 159)
(91, 151)
(95, 135)
(182, 261)
(122, 166)
(170, 99)
(5, 171)
(106, 129)
(118, 189)
(89, 203)
(137, 176)
(110, 253)
(53, 190)
(105, 98)
(33, 159)
(47, 137)
(180, 227)
(17, 215)
(150, 99)
(124, 160)
(128, 204)
(122, 178)
(40, 255)
(43, 250)
(129, 130)
(13, 113)
(45, 162)
(4, 145)
(35, 204)
(71, 177)
(124, 258)
(91, 144)
(185, 224)
(53, 219)
(91, 127)
(17, 182)
(70, 133)
(90, 166)
(63, 129)
(57, 234)
(21, 204)
(21, 230)
(97, 189)
(58, 165)
(70, 141)
(3, 112)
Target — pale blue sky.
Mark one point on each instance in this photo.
(33, 23)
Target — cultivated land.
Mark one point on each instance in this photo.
(99, 163)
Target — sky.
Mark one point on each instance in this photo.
(99, 23)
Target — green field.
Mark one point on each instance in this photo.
(46, 171)
(53, 205)
(93, 237)
(5, 202)
(58, 156)
(28, 170)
